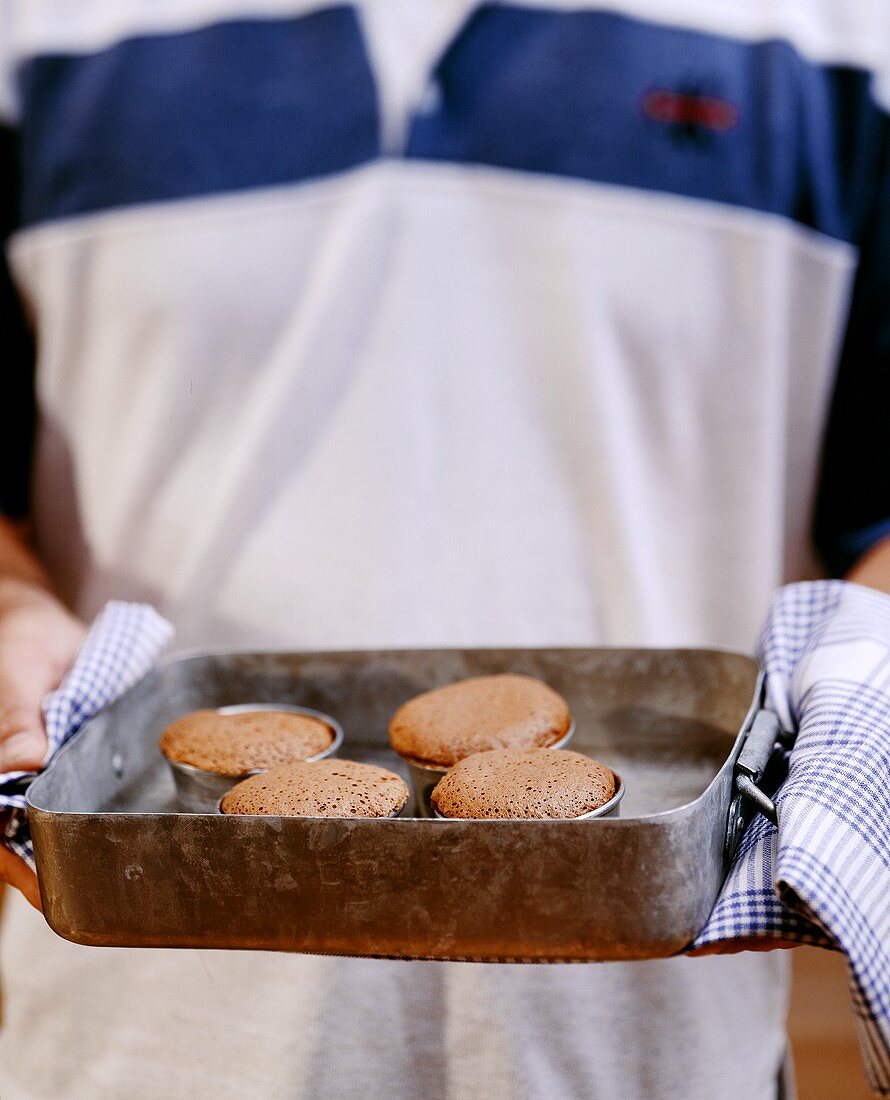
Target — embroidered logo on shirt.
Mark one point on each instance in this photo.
(691, 113)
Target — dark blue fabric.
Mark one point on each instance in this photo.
(566, 93)
(16, 352)
(853, 506)
(230, 106)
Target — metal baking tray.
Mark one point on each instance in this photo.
(121, 864)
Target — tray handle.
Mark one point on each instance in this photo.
(765, 738)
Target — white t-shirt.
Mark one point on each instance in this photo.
(427, 324)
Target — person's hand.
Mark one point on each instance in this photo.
(39, 639)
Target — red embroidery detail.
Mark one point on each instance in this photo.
(680, 109)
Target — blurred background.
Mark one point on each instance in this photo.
(826, 1051)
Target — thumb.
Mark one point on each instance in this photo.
(29, 671)
(19, 875)
(38, 641)
(23, 684)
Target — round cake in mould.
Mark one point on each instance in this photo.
(254, 740)
(519, 783)
(442, 726)
(327, 788)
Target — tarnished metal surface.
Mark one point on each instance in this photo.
(121, 864)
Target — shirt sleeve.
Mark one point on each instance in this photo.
(853, 502)
(17, 413)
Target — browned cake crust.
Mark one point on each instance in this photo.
(538, 783)
(443, 726)
(327, 788)
(234, 744)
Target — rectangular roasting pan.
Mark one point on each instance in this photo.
(120, 864)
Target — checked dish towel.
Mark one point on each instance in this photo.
(821, 877)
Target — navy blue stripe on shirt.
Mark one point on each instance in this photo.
(225, 107)
(17, 376)
(598, 96)
(853, 505)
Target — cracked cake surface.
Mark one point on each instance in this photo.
(325, 788)
(519, 783)
(509, 710)
(234, 744)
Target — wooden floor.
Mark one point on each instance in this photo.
(823, 1038)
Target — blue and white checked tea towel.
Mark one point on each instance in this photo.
(122, 645)
(822, 877)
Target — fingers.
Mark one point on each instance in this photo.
(22, 740)
(20, 876)
(22, 752)
(38, 641)
(22, 737)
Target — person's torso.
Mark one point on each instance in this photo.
(400, 324)
(428, 323)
